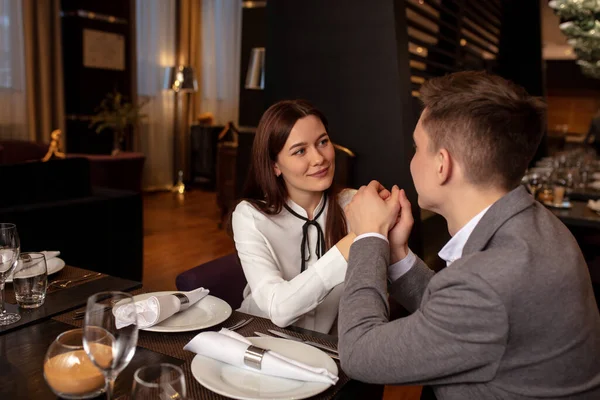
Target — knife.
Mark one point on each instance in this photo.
(335, 357)
(297, 339)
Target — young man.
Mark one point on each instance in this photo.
(513, 315)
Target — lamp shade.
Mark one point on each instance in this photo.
(181, 78)
(255, 77)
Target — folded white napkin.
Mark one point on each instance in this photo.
(50, 254)
(156, 309)
(230, 347)
(594, 205)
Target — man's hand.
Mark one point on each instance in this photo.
(369, 212)
(399, 234)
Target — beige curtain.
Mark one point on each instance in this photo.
(13, 96)
(221, 50)
(187, 53)
(43, 66)
(155, 51)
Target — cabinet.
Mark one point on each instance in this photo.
(203, 157)
(233, 164)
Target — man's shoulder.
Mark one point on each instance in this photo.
(529, 252)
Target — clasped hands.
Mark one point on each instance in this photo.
(374, 209)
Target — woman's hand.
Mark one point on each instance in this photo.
(368, 212)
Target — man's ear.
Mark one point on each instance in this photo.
(444, 166)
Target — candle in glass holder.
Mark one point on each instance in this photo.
(69, 371)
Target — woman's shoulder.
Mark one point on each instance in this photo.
(345, 196)
(245, 207)
(248, 210)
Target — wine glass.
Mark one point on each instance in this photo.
(159, 381)
(108, 340)
(9, 254)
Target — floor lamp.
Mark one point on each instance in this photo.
(180, 79)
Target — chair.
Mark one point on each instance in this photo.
(122, 171)
(223, 276)
(344, 166)
(19, 151)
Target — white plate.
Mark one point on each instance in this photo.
(209, 311)
(243, 384)
(54, 265)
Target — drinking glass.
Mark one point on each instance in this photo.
(108, 341)
(158, 381)
(559, 195)
(30, 280)
(10, 248)
(69, 371)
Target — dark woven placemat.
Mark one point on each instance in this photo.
(67, 272)
(172, 344)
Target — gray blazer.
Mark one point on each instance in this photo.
(514, 318)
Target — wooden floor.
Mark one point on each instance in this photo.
(181, 232)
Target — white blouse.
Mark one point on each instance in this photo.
(269, 249)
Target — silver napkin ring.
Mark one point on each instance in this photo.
(182, 298)
(253, 357)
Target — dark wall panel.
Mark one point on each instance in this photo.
(254, 34)
(349, 58)
(86, 87)
(520, 51)
(345, 57)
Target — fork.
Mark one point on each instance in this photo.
(63, 283)
(80, 314)
(240, 324)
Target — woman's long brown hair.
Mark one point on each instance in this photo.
(267, 192)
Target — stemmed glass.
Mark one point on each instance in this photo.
(9, 254)
(110, 335)
(159, 381)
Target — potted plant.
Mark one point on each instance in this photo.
(116, 114)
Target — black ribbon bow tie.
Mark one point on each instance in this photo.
(320, 250)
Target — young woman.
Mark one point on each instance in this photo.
(290, 232)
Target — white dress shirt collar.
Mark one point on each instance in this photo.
(301, 211)
(452, 251)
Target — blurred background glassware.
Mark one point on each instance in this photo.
(533, 181)
(69, 371)
(110, 345)
(30, 280)
(10, 247)
(558, 196)
(159, 381)
(546, 194)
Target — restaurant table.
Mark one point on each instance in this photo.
(59, 300)
(578, 216)
(585, 194)
(22, 353)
